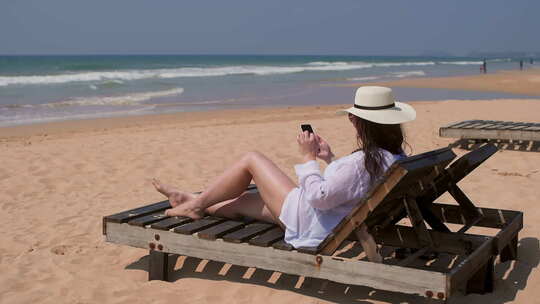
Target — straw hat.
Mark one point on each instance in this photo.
(377, 104)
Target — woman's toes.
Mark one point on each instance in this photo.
(159, 187)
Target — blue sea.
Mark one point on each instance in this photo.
(49, 88)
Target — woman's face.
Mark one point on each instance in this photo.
(352, 118)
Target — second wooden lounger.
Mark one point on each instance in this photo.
(492, 129)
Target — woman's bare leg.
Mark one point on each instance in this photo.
(248, 204)
(273, 185)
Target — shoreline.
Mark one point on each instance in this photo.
(526, 82)
(146, 121)
(218, 118)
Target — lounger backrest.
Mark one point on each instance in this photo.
(470, 161)
(457, 171)
(408, 177)
(451, 175)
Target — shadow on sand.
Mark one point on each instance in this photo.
(510, 277)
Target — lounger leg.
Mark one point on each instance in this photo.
(368, 244)
(510, 251)
(159, 266)
(482, 281)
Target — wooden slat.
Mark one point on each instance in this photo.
(475, 125)
(497, 125)
(509, 125)
(282, 245)
(440, 157)
(125, 216)
(521, 126)
(171, 222)
(464, 123)
(534, 127)
(148, 219)
(248, 232)
(268, 238)
(450, 125)
(403, 236)
(347, 271)
(486, 124)
(492, 218)
(468, 162)
(219, 230)
(198, 225)
(469, 225)
(308, 250)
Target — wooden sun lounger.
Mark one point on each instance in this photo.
(409, 186)
(492, 129)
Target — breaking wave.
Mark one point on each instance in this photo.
(461, 62)
(118, 77)
(408, 74)
(366, 78)
(121, 100)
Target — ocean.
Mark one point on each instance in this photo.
(49, 88)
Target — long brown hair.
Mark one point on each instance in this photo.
(371, 138)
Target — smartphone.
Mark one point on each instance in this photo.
(307, 127)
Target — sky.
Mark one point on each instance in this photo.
(353, 27)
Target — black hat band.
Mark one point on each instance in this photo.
(375, 108)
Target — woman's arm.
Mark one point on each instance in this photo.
(343, 185)
(324, 153)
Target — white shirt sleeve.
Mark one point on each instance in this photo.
(329, 191)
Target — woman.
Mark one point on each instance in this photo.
(309, 211)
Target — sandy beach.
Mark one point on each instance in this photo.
(60, 179)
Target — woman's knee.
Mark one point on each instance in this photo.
(253, 156)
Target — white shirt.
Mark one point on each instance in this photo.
(311, 210)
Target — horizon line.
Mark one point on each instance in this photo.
(487, 55)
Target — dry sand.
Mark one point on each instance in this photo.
(59, 179)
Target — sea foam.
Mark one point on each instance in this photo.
(119, 77)
(122, 100)
(408, 74)
(461, 62)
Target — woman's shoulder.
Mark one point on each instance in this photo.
(358, 156)
(353, 157)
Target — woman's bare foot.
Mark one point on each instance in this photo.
(189, 208)
(175, 197)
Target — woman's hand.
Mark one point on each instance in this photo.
(308, 145)
(325, 153)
